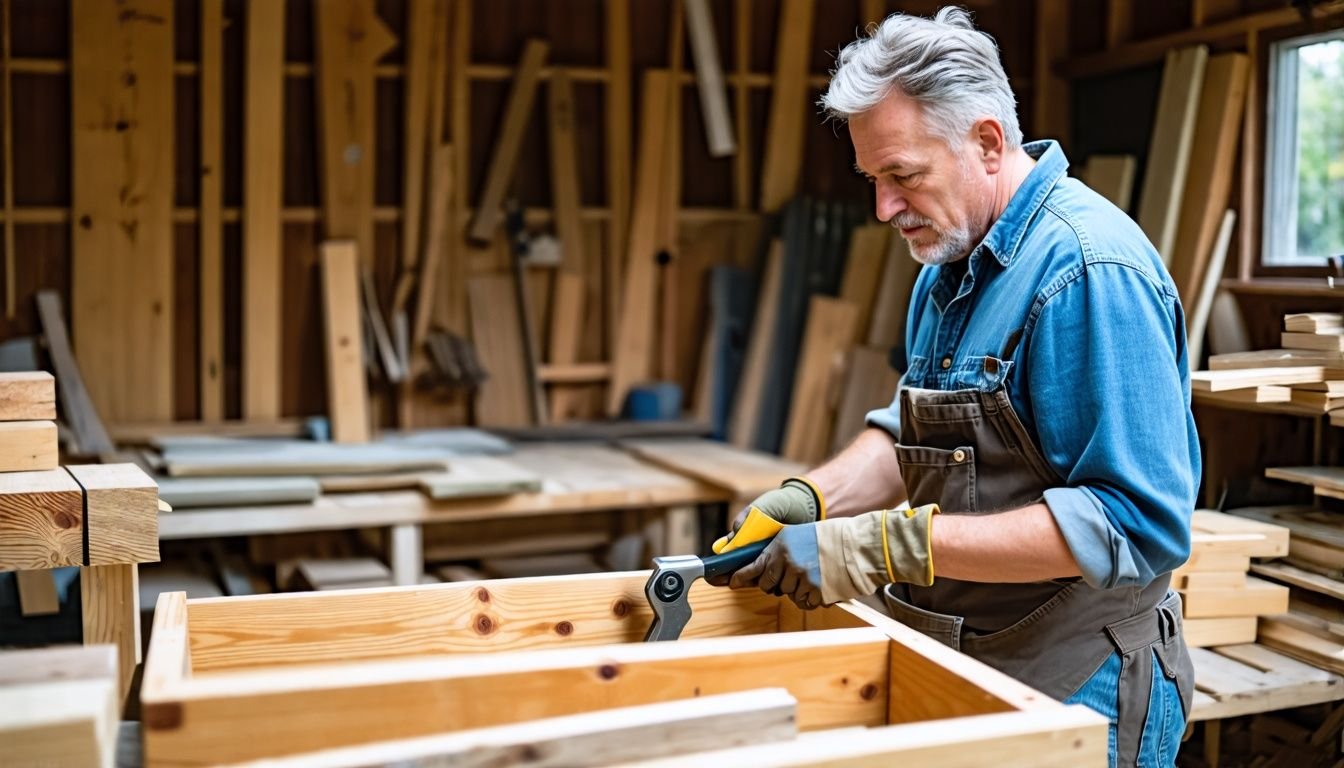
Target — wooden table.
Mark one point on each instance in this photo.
(576, 478)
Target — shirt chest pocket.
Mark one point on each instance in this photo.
(983, 373)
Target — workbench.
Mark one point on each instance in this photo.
(576, 478)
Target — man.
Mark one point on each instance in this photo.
(1042, 430)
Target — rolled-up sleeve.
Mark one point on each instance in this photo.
(1110, 390)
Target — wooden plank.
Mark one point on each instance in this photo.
(37, 593)
(751, 385)
(19, 666)
(27, 396)
(783, 159)
(618, 159)
(440, 208)
(709, 79)
(741, 471)
(505, 153)
(830, 328)
(494, 689)
(122, 150)
(504, 398)
(1112, 177)
(121, 508)
(742, 178)
(42, 525)
(870, 382)
(1303, 522)
(863, 273)
(632, 359)
(1211, 580)
(1326, 342)
(1051, 97)
(1298, 577)
(1314, 322)
(416, 143)
(599, 738)
(1319, 649)
(476, 476)
(281, 458)
(1208, 182)
(347, 393)
(1264, 394)
(1276, 536)
(567, 307)
(77, 405)
(60, 722)
(1276, 358)
(1270, 681)
(210, 225)
(110, 599)
(349, 38)
(1208, 292)
(892, 306)
(1204, 633)
(189, 492)
(263, 153)
(517, 614)
(1229, 379)
(574, 373)
(27, 446)
(1256, 598)
(1170, 147)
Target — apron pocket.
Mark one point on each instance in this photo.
(938, 476)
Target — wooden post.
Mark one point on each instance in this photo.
(110, 596)
(406, 554)
(347, 390)
(210, 229)
(784, 133)
(618, 161)
(1050, 110)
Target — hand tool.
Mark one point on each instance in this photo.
(670, 583)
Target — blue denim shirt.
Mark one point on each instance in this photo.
(1068, 293)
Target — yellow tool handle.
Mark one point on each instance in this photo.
(757, 527)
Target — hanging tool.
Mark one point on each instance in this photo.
(669, 586)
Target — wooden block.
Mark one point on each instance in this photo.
(505, 153)
(870, 382)
(1257, 598)
(42, 522)
(1209, 178)
(263, 153)
(110, 596)
(1172, 137)
(210, 224)
(1276, 536)
(349, 38)
(20, 666)
(1213, 580)
(121, 505)
(1314, 322)
(863, 273)
(27, 396)
(347, 393)
(1112, 177)
(709, 78)
(122, 157)
(1224, 380)
(830, 328)
(496, 331)
(1204, 633)
(1215, 561)
(60, 722)
(784, 133)
(1278, 358)
(632, 359)
(747, 405)
(27, 446)
(605, 737)
(1326, 342)
(78, 407)
(892, 305)
(37, 593)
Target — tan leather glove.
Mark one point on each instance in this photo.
(862, 553)
(797, 500)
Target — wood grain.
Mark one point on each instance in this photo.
(347, 392)
(496, 330)
(210, 232)
(28, 445)
(830, 330)
(121, 505)
(1172, 139)
(110, 596)
(27, 396)
(783, 160)
(743, 472)
(868, 247)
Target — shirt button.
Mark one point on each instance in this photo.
(947, 363)
(958, 456)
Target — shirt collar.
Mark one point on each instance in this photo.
(1007, 232)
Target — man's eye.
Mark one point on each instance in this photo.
(904, 180)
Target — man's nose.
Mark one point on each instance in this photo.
(890, 201)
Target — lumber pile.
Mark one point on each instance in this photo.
(1221, 600)
(1305, 376)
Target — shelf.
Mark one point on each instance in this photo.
(1279, 409)
(1299, 287)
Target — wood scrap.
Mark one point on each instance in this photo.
(382, 338)
(709, 79)
(263, 153)
(28, 445)
(784, 134)
(830, 328)
(27, 396)
(80, 414)
(1168, 160)
(37, 593)
(505, 154)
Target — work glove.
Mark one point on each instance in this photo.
(797, 500)
(845, 557)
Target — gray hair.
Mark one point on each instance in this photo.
(943, 63)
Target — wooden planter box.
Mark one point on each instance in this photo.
(234, 679)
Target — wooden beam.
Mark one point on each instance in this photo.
(1169, 150)
(440, 211)
(751, 385)
(604, 737)
(485, 690)
(80, 413)
(1203, 12)
(826, 342)
(863, 273)
(121, 505)
(110, 599)
(210, 229)
(567, 306)
(505, 153)
(27, 396)
(743, 473)
(619, 162)
(349, 39)
(37, 593)
(263, 155)
(742, 178)
(496, 330)
(122, 150)
(632, 359)
(347, 392)
(28, 445)
(43, 523)
(1050, 108)
(891, 307)
(566, 321)
(1251, 193)
(417, 146)
(709, 77)
(784, 134)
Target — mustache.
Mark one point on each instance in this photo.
(910, 220)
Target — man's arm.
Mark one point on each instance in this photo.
(1017, 546)
(862, 477)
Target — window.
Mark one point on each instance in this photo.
(1304, 174)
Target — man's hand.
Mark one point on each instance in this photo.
(794, 502)
(790, 566)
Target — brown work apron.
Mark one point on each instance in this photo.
(967, 451)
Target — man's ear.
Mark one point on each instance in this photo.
(988, 136)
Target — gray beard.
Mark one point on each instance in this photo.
(947, 248)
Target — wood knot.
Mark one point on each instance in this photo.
(122, 126)
(67, 521)
(86, 222)
(868, 692)
(161, 717)
(482, 594)
(564, 629)
(620, 608)
(608, 671)
(483, 624)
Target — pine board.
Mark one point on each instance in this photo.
(27, 396)
(347, 392)
(41, 520)
(1172, 137)
(830, 328)
(504, 398)
(783, 159)
(210, 225)
(121, 513)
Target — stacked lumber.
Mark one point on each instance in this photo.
(1221, 600)
(27, 421)
(1305, 376)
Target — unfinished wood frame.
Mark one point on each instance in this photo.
(481, 654)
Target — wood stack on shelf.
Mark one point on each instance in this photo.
(1221, 601)
(1305, 377)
